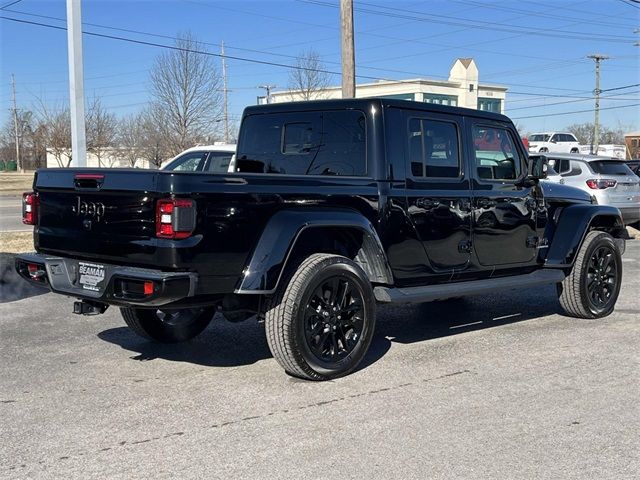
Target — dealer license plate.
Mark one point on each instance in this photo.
(91, 276)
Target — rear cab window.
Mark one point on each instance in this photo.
(329, 142)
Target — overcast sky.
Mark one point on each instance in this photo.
(536, 49)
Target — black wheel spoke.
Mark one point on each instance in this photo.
(601, 276)
(333, 319)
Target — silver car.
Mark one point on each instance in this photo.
(609, 180)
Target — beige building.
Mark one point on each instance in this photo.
(462, 89)
(109, 159)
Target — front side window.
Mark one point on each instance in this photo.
(433, 149)
(304, 143)
(496, 156)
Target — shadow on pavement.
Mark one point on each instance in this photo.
(225, 344)
(12, 287)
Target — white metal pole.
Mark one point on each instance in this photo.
(76, 84)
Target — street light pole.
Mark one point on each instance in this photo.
(76, 84)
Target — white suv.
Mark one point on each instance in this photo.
(553, 142)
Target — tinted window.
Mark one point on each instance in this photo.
(433, 149)
(219, 162)
(540, 137)
(189, 162)
(496, 156)
(305, 143)
(610, 168)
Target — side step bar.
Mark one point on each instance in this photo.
(464, 289)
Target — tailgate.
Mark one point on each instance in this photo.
(97, 214)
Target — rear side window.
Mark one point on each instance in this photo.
(433, 149)
(496, 156)
(304, 143)
(610, 168)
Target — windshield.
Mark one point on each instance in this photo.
(539, 137)
(610, 168)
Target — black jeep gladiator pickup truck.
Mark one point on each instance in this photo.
(334, 207)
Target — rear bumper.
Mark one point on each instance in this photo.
(122, 286)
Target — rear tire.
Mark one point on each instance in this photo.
(320, 323)
(167, 326)
(592, 287)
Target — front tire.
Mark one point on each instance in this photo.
(320, 323)
(167, 326)
(592, 287)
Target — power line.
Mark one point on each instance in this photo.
(263, 52)
(9, 4)
(457, 21)
(576, 111)
(586, 99)
(539, 14)
(278, 54)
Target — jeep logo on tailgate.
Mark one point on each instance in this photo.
(90, 209)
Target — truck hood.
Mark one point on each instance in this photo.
(560, 192)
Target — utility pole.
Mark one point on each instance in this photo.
(348, 51)
(225, 92)
(268, 88)
(596, 124)
(15, 125)
(76, 84)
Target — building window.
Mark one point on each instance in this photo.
(398, 96)
(450, 100)
(490, 105)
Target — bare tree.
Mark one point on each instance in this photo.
(584, 134)
(308, 77)
(102, 130)
(56, 131)
(33, 154)
(186, 93)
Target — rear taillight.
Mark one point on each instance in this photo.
(601, 183)
(30, 202)
(175, 218)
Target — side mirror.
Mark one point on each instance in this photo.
(538, 167)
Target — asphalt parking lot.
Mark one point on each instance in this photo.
(501, 386)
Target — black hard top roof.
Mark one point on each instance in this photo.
(365, 104)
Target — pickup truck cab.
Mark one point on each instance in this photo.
(334, 207)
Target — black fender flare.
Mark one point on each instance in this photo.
(574, 223)
(271, 254)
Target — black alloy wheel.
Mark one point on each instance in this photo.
(591, 288)
(334, 319)
(602, 277)
(321, 321)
